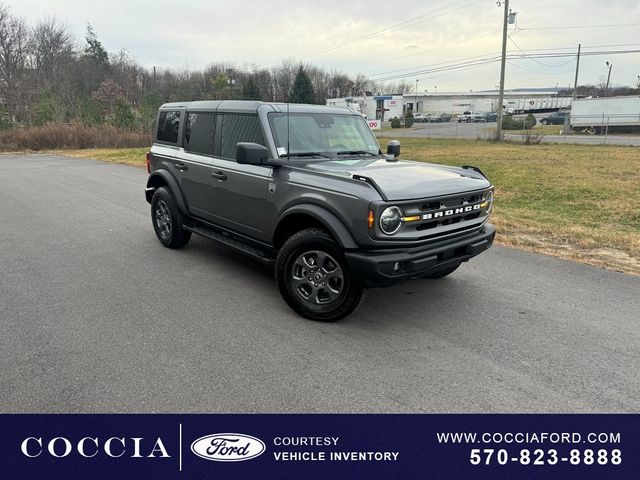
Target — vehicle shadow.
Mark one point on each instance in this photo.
(416, 302)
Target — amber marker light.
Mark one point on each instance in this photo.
(413, 218)
(370, 220)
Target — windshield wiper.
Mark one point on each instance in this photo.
(356, 152)
(305, 154)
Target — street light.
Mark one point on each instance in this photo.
(606, 90)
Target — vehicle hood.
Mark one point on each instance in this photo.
(405, 180)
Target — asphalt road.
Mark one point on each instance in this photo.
(96, 316)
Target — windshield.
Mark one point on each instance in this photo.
(322, 134)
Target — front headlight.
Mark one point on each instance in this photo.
(488, 202)
(391, 220)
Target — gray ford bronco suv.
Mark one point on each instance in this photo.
(307, 189)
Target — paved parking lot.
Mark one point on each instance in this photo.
(472, 130)
(96, 316)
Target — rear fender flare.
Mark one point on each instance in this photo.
(169, 180)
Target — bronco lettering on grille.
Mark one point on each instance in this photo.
(451, 211)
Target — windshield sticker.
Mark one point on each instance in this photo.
(282, 151)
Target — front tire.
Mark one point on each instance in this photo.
(314, 278)
(167, 220)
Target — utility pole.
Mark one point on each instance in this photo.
(502, 66)
(567, 121)
(416, 98)
(606, 90)
(575, 82)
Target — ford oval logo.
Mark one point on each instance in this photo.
(228, 447)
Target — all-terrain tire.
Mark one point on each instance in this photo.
(314, 278)
(167, 219)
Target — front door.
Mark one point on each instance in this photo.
(241, 195)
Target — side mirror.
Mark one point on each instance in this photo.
(251, 153)
(393, 148)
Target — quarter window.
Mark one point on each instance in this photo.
(168, 125)
(239, 128)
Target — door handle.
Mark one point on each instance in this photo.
(219, 176)
(180, 166)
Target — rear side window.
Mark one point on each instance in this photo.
(198, 134)
(238, 128)
(168, 126)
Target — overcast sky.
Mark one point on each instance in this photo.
(380, 39)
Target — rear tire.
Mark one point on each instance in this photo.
(167, 220)
(441, 273)
(314, 278)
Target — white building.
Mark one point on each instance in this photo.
(515, 101)
(374, 107)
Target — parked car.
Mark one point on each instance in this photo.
(441, 117)
(485, 117)
(307, 190)
(556, 118)
(421, 117)
(466, 116)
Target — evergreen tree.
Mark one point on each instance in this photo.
(302, 91)
(250, 90)
(94, 48)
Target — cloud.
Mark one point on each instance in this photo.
(369, 37)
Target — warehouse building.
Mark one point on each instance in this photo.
(386, 107)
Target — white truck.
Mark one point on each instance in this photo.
(606, 114)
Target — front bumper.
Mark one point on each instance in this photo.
(377, 268)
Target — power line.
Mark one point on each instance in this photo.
(537, 61)
(420, 18)
(487, 60)
(422, 52)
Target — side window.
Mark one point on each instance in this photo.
(238, 128)
(168, 125)
(198, 135)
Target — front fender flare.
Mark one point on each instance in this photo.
(335, 226)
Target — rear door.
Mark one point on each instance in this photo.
(194, 159)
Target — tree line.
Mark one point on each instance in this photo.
(47, 76)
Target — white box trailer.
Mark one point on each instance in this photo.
(604, 113)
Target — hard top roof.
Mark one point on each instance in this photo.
(252, 106)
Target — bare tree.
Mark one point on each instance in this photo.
(124, 71)
(264, 82)
(283, 76)
(52, 47)
(14, 39)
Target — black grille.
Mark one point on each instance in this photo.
(431, 206)
(451, 203)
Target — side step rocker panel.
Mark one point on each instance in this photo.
(231, 242)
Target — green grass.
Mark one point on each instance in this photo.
(580, 202)
(574, 201)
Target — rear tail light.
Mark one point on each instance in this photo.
(148, 162)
